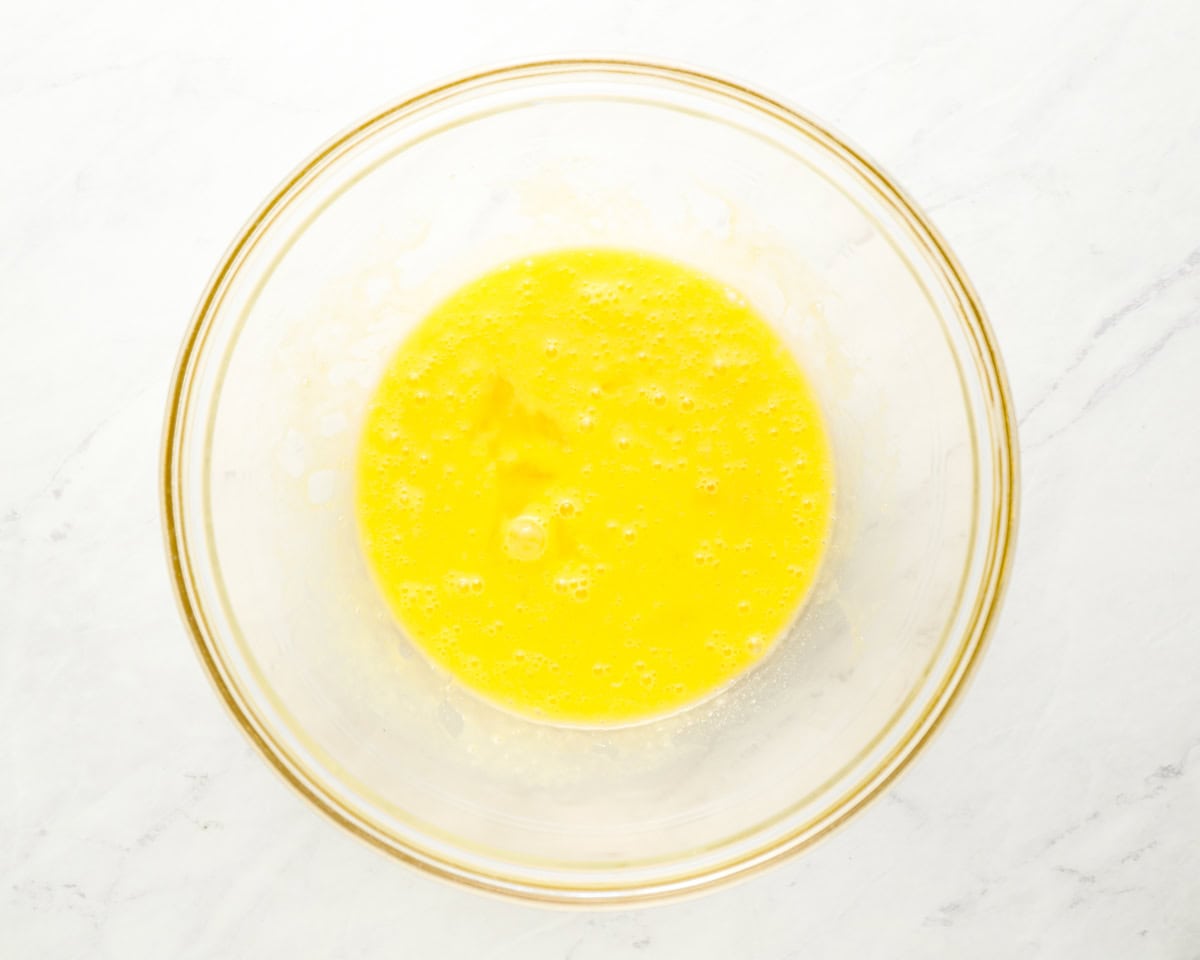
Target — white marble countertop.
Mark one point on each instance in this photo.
(1056, 144)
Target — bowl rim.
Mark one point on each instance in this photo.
(993, 580)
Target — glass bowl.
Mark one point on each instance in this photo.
(354, 248)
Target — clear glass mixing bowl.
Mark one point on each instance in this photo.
(352, 250)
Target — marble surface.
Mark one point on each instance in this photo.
(1056, 144)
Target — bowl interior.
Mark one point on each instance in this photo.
(355, 249)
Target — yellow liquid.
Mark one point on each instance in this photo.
(594, 486)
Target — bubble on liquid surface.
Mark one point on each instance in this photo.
(525, 538)
(575, 583)
(465, 584)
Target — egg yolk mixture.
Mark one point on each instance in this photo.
(594, 486)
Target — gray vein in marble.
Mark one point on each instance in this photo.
(1126, 371)
(1144, 296)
